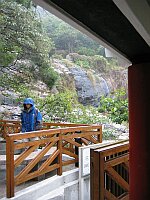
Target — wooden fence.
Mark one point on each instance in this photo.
(13, 126)
(110, 172)
(9, 126)
(54, 142)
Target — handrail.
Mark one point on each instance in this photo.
(55, 143)
(14, 126)
(110, 172)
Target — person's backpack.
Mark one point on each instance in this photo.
(39, 125)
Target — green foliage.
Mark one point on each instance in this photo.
(48, 75)
(25, 3)
(87, 115)
(65, 107)
(99, 62)
(90, 51)
(24, 92)
(21, 35)
(59, 106)
(83, 63)
(108, 135)
(116, 106)
(7, 53)
(63, 35)
(86, 51)
(96, 62)
(69, 39)
(22, 38)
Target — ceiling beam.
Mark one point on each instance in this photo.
(138, 13)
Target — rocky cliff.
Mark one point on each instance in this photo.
(90, 83)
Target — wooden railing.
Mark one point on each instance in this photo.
(55, 144)
(9, 126)
(13, 126)
(110, 172)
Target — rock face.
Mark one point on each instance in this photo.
(10, 112)
(92, 83)
(89, 88)
(10, 99)
(88, 85)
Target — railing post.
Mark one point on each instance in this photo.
(59, 146)
(9, 167)
(78, 140)
(100, 135)
(97, 175)
(101, 177)
(4, 136)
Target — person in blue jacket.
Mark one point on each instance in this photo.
(31, 118)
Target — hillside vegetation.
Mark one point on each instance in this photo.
(33, 45)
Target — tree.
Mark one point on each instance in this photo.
(22, 37)
(21, 34)
(25, 3)
(67, 38)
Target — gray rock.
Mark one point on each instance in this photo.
(89, 90)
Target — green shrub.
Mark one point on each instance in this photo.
(83, 63)
(108, 135)
(59, 105)
(87, 115)
(86, 51)
(48, 75)
(116, 106)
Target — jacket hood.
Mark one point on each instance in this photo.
(29, 101)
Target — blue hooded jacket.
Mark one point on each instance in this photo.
(30, 118)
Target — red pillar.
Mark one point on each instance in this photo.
(139, 127)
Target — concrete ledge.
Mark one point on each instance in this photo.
(54, 195)
(68, 191)
(44, 188)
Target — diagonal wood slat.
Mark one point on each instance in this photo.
(24, 155)
(109, 196)
(28, 168)
(64, 137)
(125, 197)
(91, 139)
(36, 174)
(126, 164)
(64, 143)
(116, 161)
(65, 151)
(94, 139)
(72, 142)
(49, 160)
(115, 176)
(86, 142)
(77, 135)
(68, 162)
